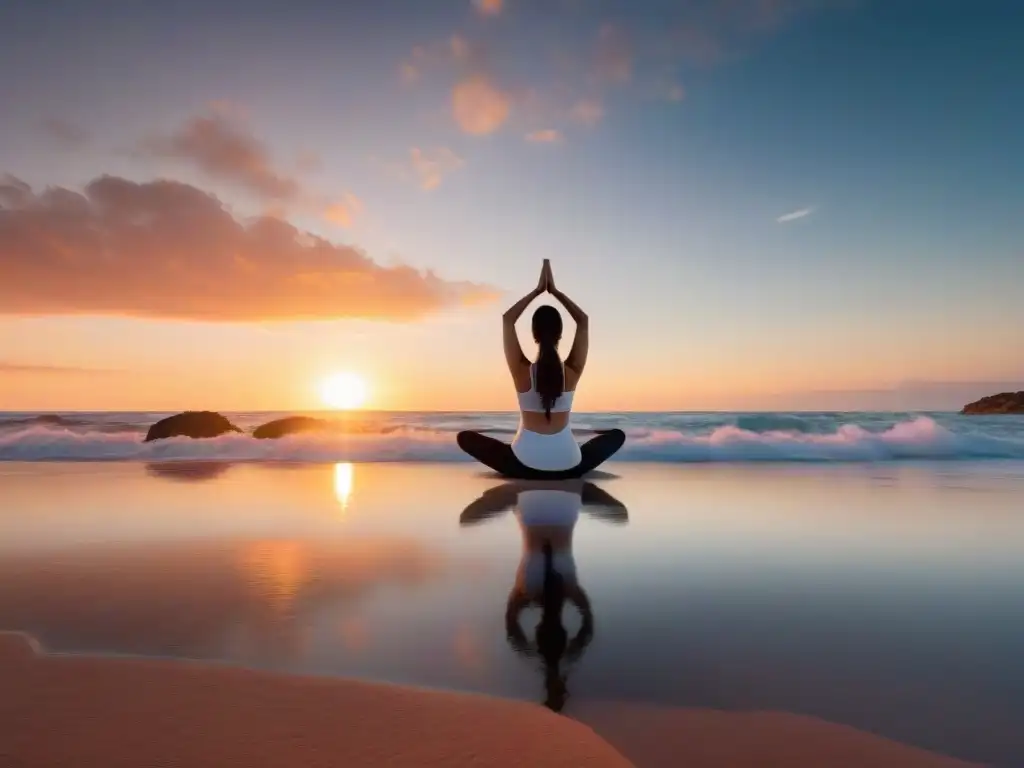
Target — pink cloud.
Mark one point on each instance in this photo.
(489, 7)
(547, 136)
(479, 106)
(224, 150)
(164, 249)
(431, 166)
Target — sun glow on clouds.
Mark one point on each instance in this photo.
(167, 250)
(479, 106)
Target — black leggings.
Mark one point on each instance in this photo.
(498, 455)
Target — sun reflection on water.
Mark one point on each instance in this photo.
(276, 570)
(343, 474)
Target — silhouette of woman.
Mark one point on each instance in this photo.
(547, 575)
(544, 446)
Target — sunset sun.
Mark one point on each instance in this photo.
(344, 391)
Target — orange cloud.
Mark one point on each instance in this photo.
(479, 106)
(164, 249)
(59, 370)
(224, 150)
(548, 136)
(489, 7)
(431, 167)
(344, 211)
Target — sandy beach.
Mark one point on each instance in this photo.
(88, 711)
(63, 711)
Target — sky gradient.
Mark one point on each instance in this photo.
(763, 204)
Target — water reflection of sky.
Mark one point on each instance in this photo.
(887, 598)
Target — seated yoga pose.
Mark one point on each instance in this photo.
(544, 447)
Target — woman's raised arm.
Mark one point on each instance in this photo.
(577, 359)
(510, 339)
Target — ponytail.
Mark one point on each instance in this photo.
(550, 377)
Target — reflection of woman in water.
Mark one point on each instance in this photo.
(546, 576)
(544, 446)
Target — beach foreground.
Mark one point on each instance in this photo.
(67, 710)
(93, 711)
(739, 615)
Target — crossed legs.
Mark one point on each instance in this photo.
(498, 455)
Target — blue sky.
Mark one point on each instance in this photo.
(685, 132)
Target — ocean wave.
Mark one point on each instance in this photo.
(74, 423)
(917, 438)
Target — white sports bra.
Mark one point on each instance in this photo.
(531, 400)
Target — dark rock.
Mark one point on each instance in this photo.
(191, 424)
(289, 426)
(1004, 402)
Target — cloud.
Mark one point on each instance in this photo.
(8, 367)
(431, 166)
(613, 55)
(458, 52)
(164, 249)
(489, 7)
(225, 151)
(64, 133)
(344, 212)
(794, 215)
(587, 111)
(479, 106)
(548, 136)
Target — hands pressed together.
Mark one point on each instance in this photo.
(546, 283)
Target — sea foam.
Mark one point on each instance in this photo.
(780, 440)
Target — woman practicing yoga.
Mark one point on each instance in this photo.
(544, 446)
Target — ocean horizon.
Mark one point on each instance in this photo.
(425, 436)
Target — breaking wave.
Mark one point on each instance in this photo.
(747, 438)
